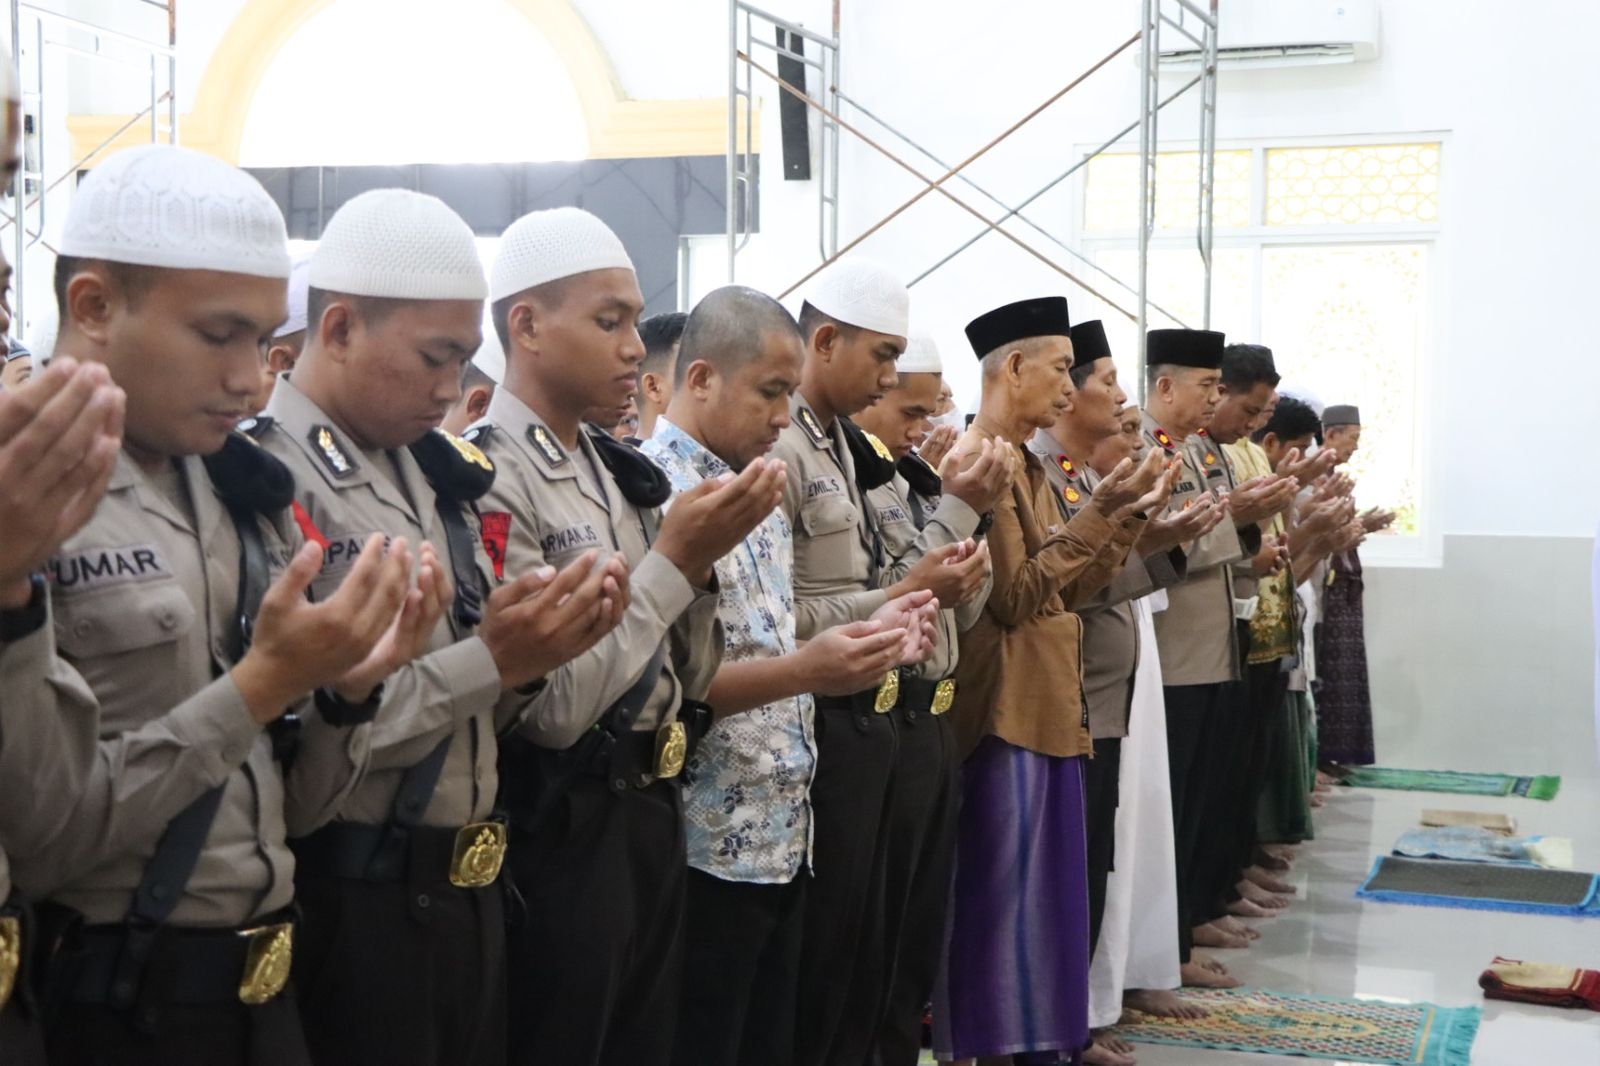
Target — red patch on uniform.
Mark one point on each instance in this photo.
(1066, 466)
(308, 528)
(1162, 439)
(496, 532)
(1070, 494)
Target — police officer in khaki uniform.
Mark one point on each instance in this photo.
(597, 842)
(402, 889)
(162, 850)
(855, 322)
(920, 823)
(1196, 634)
(1110, 630)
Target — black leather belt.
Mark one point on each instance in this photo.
(925, 696)
(186, 967)
(388, 854)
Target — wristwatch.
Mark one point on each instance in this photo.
(24, 621)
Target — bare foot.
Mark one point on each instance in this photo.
(1271, 861)
(1316, 798)
(1109, 1040)
(1234, 927)
(1244, 908)
(1286, 852)
(1162, 1004)
(1265, 880)
(1261, 897)
(1210, 936)
(1198, 974)
(1101, 1055)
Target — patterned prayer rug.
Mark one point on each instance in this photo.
(1539, 787)
(1315, 1027)
(1482, 886)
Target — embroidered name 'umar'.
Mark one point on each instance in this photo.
(95, 568)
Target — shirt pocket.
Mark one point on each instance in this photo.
(116, 621)
(828, 515)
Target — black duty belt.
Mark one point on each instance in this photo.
(869, 701)
(421, 855)
(184, 967)
(13, 947)
(921, 695)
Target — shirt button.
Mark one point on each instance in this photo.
(423, 901)
(83, 627)
(168, 620)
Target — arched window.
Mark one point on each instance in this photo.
(383, 82)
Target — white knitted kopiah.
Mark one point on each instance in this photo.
(163, 206)
(859, 292)
(490, 358)
(547, 246)
(299, 277)
(400, 245)
(920, 357)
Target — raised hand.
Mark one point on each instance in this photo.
(1375, 519)
(299, 646)
(1128, 483)
(1173, 529)
(982, 482)
(1307, 468)
(937, 444)
(714, 517)
(59, 438)
(953, 573)
(1273, 557)
(546, 618)
(410, 632)
(853, 657)
(1260, 498)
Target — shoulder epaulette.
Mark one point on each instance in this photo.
(643, 483)
(454, 467)
(247, 476)
(873, 461)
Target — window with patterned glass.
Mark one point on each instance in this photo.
(1107, 205)
(1352, 185)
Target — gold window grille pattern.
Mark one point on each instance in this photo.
(1369, 184)
(1111, 193)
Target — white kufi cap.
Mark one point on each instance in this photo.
(547, 246)
(164, 206)
(396, 244)
(299, 282)
(490, 358)
(861, 293)
(921, 356)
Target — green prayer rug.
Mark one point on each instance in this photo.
(1539, 786)
(1315, 1027)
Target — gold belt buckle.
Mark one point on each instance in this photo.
(479, 852)
(888, 693)
(266, 962)
(944, 696)
(10, 956)
(672, 749)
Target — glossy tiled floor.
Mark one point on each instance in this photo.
(1332, 944)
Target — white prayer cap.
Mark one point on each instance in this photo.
(164, 206)
(299, 276)
(921, 356)
(547, 246)
(861, 293)
(490, 358)
(397, 244)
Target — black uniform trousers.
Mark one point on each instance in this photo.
(21, 1040)
(221, 1034)
(407, 973)
(595, 954)
(920, 867)
(1268, 687)
(741, 972)
(1193, 713)
(1102, 778)
(845, 900)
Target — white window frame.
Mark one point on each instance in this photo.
(1426, 548)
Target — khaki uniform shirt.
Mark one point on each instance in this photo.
(347, 494)
(906, 540)
(838, 551)
(550, 505)
(1020, 676)
(1195, 633)
(1110, 629)
(145, 613)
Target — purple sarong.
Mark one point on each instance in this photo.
(1015, 977)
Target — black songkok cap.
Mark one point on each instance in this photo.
(1198, 348)
(1045, 316)
(1341, 414)
(1089, 342)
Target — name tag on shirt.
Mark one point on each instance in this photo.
(888, 516)
(574, 538)
(99, 568)
(826, 485)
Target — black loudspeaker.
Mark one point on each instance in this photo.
(792, 117)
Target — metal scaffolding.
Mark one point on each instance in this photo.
(39, 35)
(1195, 20)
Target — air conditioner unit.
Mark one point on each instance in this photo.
(1275, 33)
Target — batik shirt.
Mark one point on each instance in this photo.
(747, 790)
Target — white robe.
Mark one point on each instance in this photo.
(1139, 934)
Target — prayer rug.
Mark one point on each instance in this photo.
(1503, 824)
(1539, 787)
(1315, 1027)
(1471, 843)
(1543, 983)
(1482, 886)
